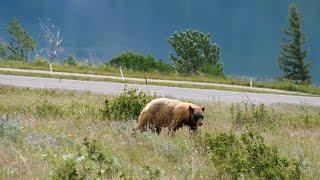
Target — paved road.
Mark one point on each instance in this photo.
(174, 92)
(143, 80)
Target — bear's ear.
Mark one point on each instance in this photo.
(203, 108)
(190, 108)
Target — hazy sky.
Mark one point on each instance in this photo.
(248, 31)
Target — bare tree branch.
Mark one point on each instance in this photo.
(52, 35)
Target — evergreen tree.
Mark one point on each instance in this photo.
(3, 50)
(292, 59)
(21, 43)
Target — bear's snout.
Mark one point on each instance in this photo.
(200, 122)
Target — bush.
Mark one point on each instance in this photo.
(248, 157)
(92, 163)
(67, 171)
(39, 60)
(137, 62)
(71, 60)
(126, 106)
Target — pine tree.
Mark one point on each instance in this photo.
(292, 59)
(3, 50)
(21, 43)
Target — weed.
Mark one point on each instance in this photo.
(46, 109)
(305, 116)
(248, 114)
(81, 110)
(10, 129)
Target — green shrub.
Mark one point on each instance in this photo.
(106, 165)
(248, 157)
(126, 106)
(71, 60)
(39, 60)
(92, 163)
(137, 62)
(66, 171)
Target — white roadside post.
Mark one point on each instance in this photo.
(146, 80)
(121, 74)
(50, 65)
(251, 82)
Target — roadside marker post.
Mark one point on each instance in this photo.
(50, 65)
(121, 74)
(251, 82)
(146, 80)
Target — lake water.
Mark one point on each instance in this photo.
(248, 31)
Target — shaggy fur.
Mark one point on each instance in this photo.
(163, 112)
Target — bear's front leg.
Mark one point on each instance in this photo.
(174, 126)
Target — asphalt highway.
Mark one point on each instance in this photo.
(173, 92)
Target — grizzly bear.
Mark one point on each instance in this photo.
(164, 112)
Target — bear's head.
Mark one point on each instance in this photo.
(196, 117)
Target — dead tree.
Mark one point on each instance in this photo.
(52, 35)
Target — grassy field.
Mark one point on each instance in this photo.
(48, 127)
(108, 70)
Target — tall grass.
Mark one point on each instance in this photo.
(58, 131)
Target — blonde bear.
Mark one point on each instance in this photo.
(174, 114)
